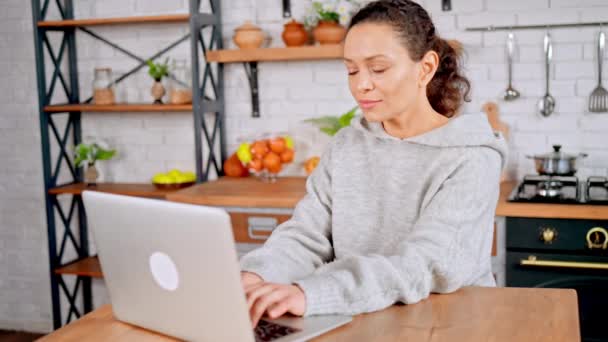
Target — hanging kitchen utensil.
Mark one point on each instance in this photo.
(546, 105)
(510, 94)
(556, 163)
(491, 110)
(598, 101)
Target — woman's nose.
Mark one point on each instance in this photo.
(364, 84)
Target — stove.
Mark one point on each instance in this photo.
(561, 189)
(562, 253)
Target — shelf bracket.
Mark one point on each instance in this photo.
(286, 8)
(446, 5)
(251, 69)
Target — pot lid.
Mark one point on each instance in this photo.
(247, 26)
(558, 154)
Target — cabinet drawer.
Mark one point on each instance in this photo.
(253, 227)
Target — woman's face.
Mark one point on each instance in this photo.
(382, 77)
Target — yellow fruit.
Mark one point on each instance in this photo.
(289, 142)
(174, 173)
(190, 176)
(244, 153)
(161, 178)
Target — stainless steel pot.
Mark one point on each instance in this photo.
(557, 163)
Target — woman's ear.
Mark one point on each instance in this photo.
(428, 66)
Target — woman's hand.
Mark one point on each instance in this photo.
(275, 300)
(250, 278)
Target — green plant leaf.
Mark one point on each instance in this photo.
(81, 153)
(331, 131)
(345, 119)
(324, 121)
(105, 154)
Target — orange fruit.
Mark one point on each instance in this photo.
(259, 148)
(256, 164)
(272, 162)
(278, 145)
(287, 156)
(311, 164)
(234, 168)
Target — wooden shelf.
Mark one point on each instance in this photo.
(128, 189)
(276, 54)
(118, 108)
(170, 18)
(88, 267)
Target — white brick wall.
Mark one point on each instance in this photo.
(289, 92)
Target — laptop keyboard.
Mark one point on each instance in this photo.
(267, 331)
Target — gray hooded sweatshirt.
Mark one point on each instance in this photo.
(389, 220)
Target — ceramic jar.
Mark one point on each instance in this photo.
(103, 89)
(329, 32)
(248, 36)
(294, 34)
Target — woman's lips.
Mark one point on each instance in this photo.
(367, 104)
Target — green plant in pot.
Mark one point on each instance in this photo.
(328, 19)
(157, 71)
(91, 153)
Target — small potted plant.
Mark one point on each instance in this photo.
(91, 153)
(328, 18)
(157, 71)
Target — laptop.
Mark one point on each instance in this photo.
(173, 268)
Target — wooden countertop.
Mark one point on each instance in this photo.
(286, 192)
(470, 314)
(244, 192)
(546, 210)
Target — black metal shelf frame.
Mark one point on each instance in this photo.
(207, 100)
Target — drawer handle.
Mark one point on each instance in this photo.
(532, 261)
(257, 225)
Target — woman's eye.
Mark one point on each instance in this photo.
(378, 71)
(352, 72)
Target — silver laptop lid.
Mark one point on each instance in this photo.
(170, 267)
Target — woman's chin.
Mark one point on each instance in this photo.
(372, 116)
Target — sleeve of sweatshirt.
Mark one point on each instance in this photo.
(449, 247)
(301, 244)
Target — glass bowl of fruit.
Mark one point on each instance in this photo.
(266, 155)
(174, 179)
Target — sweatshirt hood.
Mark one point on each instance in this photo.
(466, 130)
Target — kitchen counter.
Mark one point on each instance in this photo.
(547, 210)
(247, 192)
(469, 314)
(287, 191)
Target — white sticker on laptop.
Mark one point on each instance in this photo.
(164, 271)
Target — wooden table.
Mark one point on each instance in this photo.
(470, 314)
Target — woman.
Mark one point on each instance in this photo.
(402, 203)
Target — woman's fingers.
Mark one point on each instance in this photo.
(256, 292)
(261, 305)
(278, 309)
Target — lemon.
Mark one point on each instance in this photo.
(289, 142)
(161, 178)
(244, 153)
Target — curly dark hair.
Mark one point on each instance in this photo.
(448, 88)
